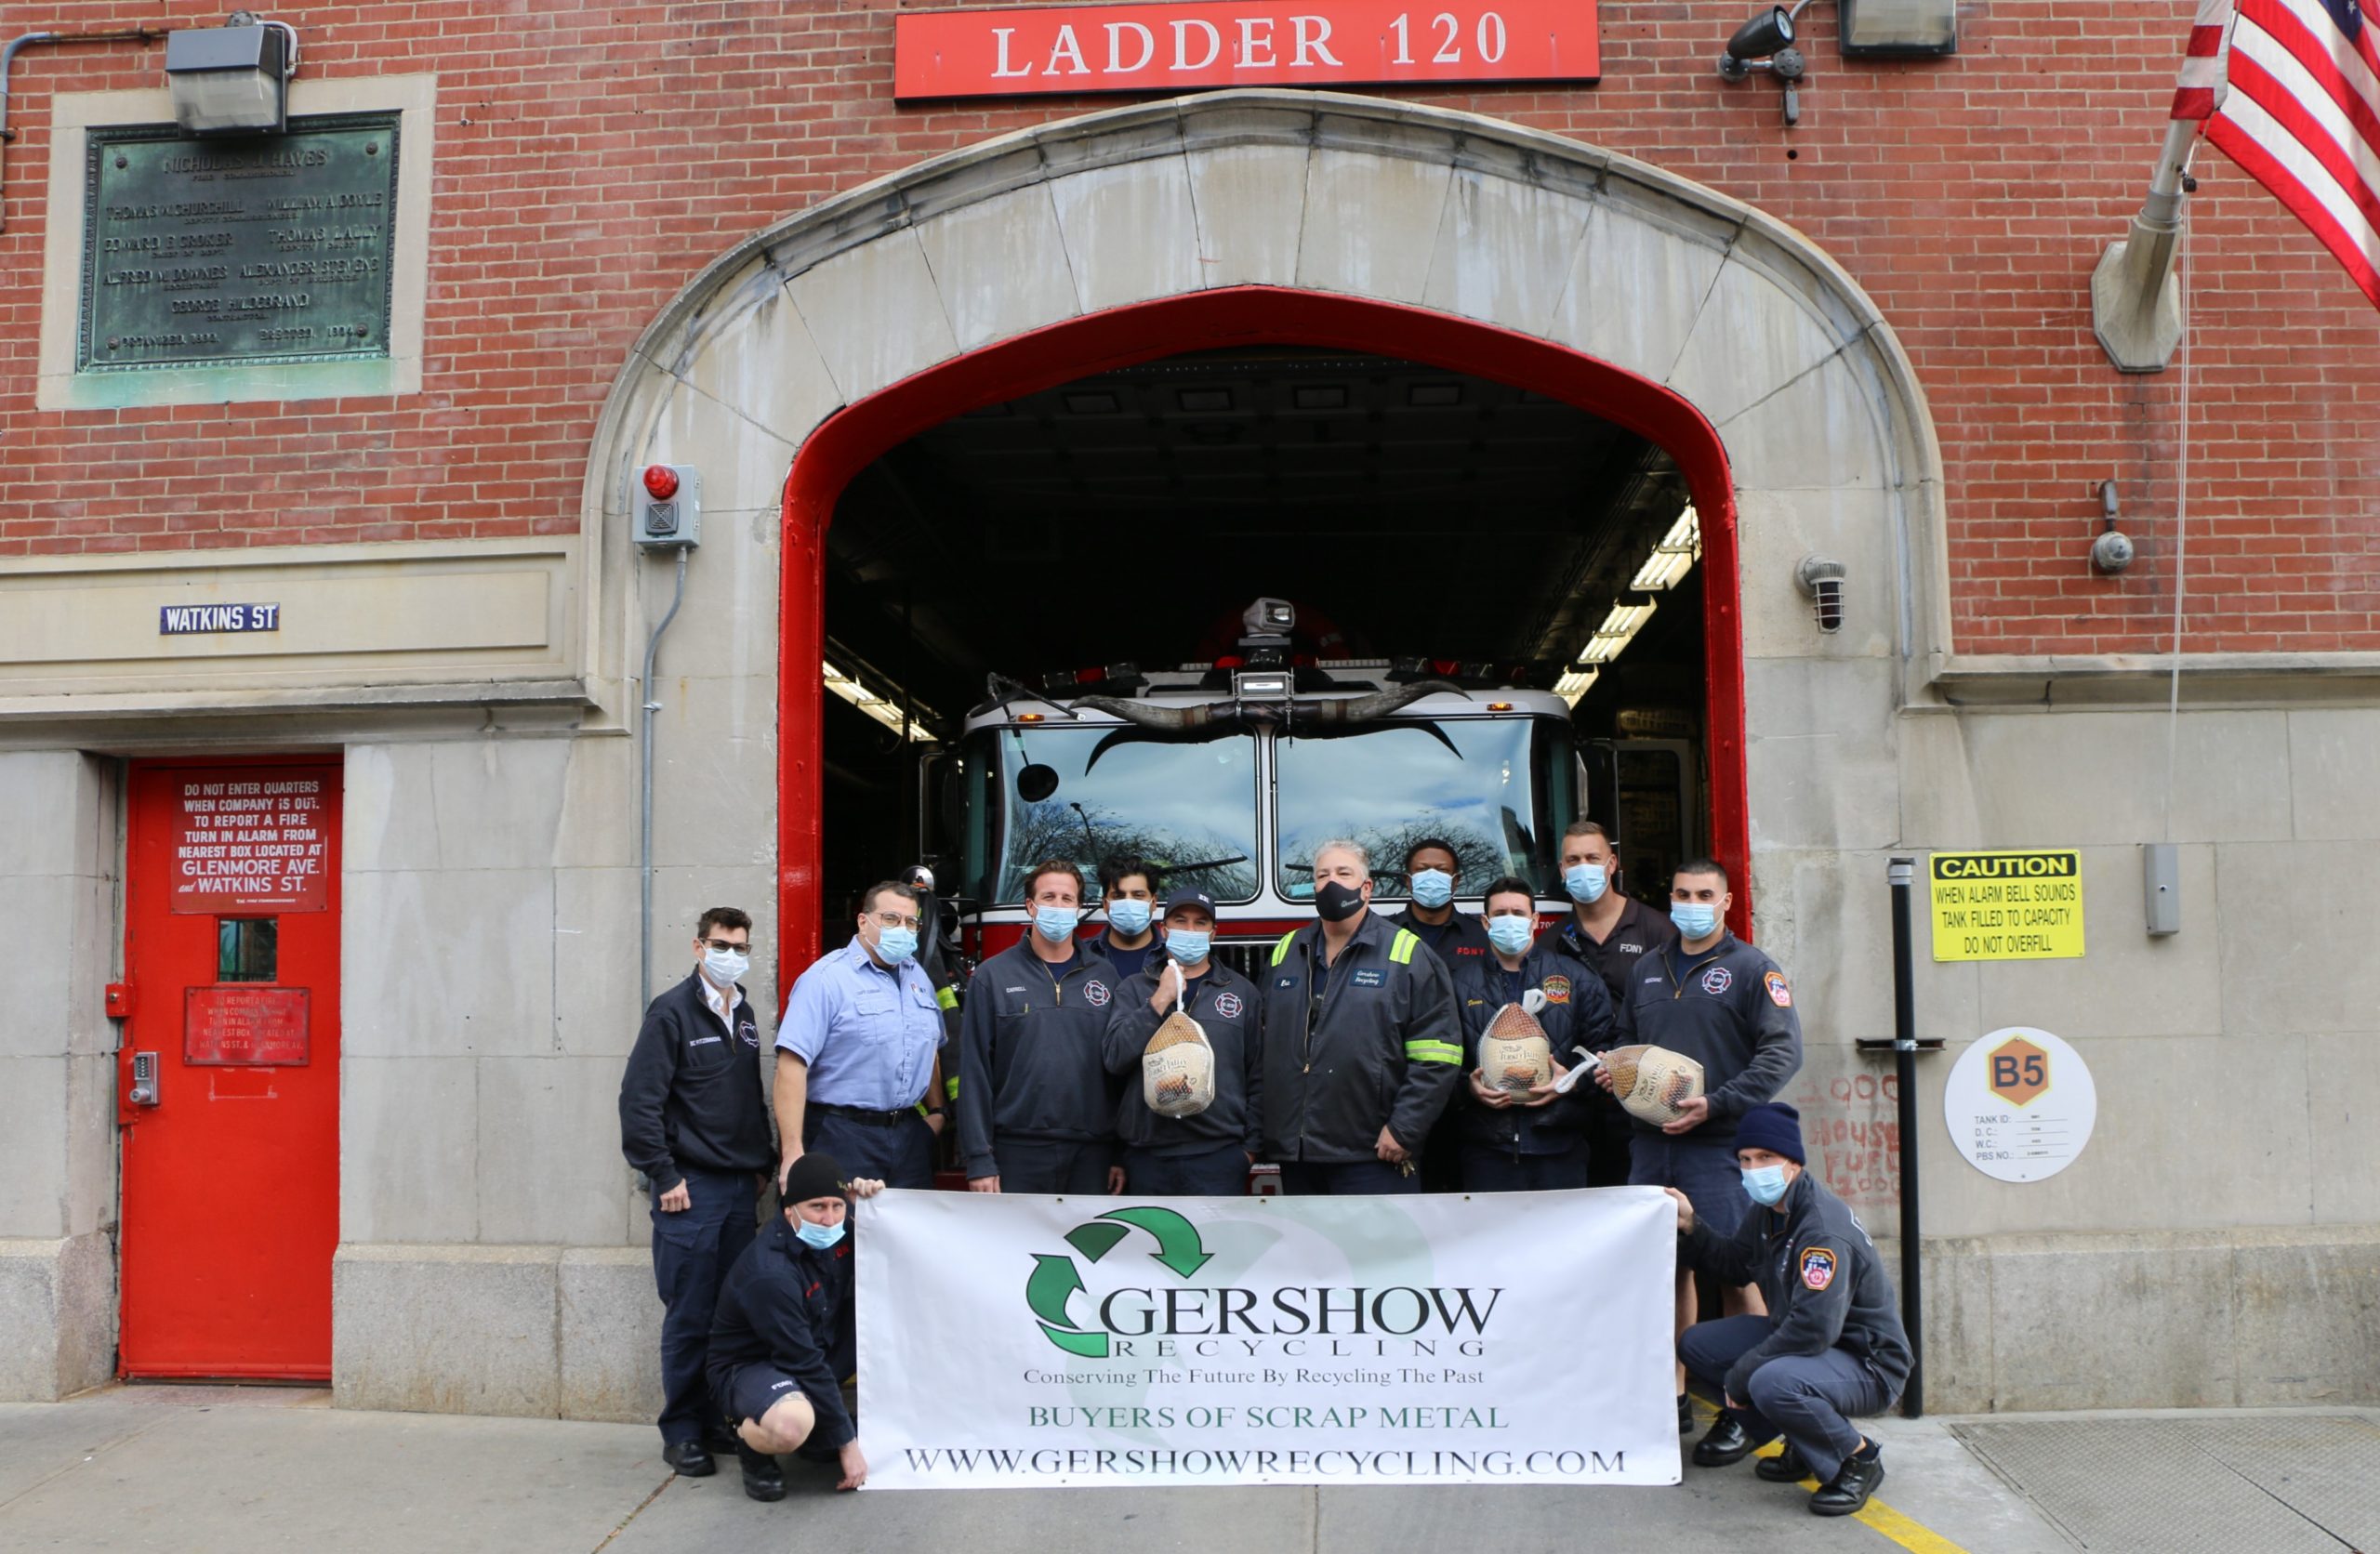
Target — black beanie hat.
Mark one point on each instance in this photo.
(818, 1176)
(1776, 1127)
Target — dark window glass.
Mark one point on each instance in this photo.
(246, 949)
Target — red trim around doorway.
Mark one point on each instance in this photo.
(860, 433)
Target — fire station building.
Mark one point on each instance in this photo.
(995, 346)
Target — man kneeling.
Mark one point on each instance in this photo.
(782, 1340)
(1832, 1344)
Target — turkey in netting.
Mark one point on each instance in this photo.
(1513, 1054)
(1178, 1065)
(1652, 1082)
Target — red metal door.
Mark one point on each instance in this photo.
(228, 1083)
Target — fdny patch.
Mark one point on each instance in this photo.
(1557, 990)
(1369, 976)
(1818, 1268)
(1229, 1005)
(1717, 981)
(1094, 992)
(1778, 994)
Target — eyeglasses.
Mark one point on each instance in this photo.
(737, 947)
(894, 920)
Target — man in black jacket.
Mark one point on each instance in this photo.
(1363, 1044)
(1831, 1346)
(1208, 1153)
(693, 1122)
(1036, 1110)
(785, 1336)
(1526, 1142)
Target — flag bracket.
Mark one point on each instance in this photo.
(2136, 305)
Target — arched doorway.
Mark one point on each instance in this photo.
(1238, 316)
(1307, 218)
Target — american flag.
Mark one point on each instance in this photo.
(2294, 100)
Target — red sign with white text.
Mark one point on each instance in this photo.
(249, 839)
(1039, 50)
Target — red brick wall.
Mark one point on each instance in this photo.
(592, 158)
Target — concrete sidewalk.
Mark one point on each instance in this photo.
(237, 1469)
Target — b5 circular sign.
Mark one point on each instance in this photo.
(2020, 1105)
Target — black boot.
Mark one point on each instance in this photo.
(691, 1460)
(1785, 1468)
(764, 1480)
(1862, 1471)
(1728, 1442)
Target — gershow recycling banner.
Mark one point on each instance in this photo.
(1014, 1341)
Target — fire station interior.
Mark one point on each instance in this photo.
(1133, 515)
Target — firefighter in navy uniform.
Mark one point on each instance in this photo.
(1520, 1143)
(1036, 1109)
(1715, 999)
(1433, 875)
(1209, 1153)
(1363, 1042)
(784, 1338)
(1832, 1346)
(1607, 931)
(693, 1120)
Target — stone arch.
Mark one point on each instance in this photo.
(1703, 300)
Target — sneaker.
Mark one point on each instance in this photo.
(1862, 1471)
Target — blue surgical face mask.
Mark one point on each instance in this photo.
(1586, 882)
(1055, 924)
(1432, 889)
(818, 1236)
(1187, 945)
(1128, 916)
(896, 945)
(1765, 1185)
(1511, 935)
(1695, 919)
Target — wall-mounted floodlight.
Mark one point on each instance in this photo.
(232, 79)
(1822, 579)
(1899, 28)
(1766, 34)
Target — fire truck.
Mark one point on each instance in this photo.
(1231, 772)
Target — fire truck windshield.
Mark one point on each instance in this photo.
(1498, 790)
(1176, 804)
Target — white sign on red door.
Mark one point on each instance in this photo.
(250, 839)
(1027, 51)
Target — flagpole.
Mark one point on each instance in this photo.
(2136, 309)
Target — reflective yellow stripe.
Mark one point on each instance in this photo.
(1400, 948)
(921, 1108)
(947, 998)
(950, 1089)
(1281, 947)
(1432, 1052)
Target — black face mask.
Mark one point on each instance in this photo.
(1337, 903)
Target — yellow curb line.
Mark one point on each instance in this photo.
(1913, 1537)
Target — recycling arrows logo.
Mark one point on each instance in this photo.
(1056, 1279)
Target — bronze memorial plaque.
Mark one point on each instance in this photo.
(255, 248)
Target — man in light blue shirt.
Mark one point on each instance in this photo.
(859, 1066)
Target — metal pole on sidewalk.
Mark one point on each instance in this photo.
(1902, 872)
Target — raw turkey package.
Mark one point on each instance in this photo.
(1513, 1052)
(1178, 1066)
(1652, 1082)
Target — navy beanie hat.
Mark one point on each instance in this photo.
(1775, 1128)
(818, 1176)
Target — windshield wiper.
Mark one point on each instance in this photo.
(1207, 864)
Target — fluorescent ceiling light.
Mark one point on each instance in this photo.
(884, 709)
(1574, 683)
(1673, 557)
(1618, 628)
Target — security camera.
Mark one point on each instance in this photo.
(1768, 33)
(2111, 552)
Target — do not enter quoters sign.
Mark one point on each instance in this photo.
(1026, 51)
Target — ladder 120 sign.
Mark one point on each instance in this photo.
(1043, 49)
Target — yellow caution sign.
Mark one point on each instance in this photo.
(2007, 905)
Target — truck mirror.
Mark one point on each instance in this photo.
(952, 808)
(1036, 783)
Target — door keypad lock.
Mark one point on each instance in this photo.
(144, 1079)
